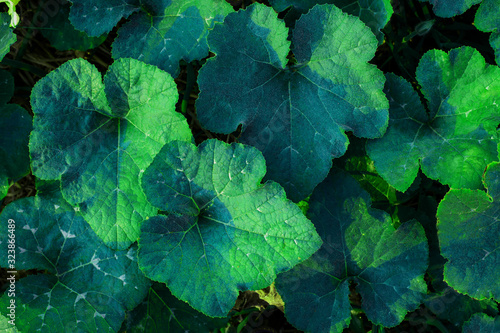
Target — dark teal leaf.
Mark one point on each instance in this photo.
(162, 312)
(98, 17)
(170, 33)
(374, 13)
(87, 286)
(482, 323)
(296, 115)
(161, 33)
(488, 19)
(225, 231)
(468, 230)
(99, 137)
(7, 36)
(61, 33)
(450, 8)
(15, 126)
(455, 138)
(359, 246)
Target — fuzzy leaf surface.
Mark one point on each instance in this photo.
(87, 287)
(296, 115)
(7, 36)
(456, 137)
(225, 231)
(359, 245)
(163, 312)
(468, 229)
(98, 138)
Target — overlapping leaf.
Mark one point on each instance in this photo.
(488, 19)
(296, 115)
(482, 323)
(450, 8)
(162, 312)
(455, 138)
(87, 287)
(161, 33)
(374, 13)
(7, 36)
(360, 246)
(225, 231)
(15, 126)
(98, 138)
(468, 229)
(61, 33)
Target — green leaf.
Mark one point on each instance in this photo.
(7, 36)
(450, 8)
(99, 137)
(97, 17)
(488, 19)
(170, 33)
(15, 126)
(482, 323)
(296, 115)
(161, 33)
(456, 138)
(87, 286)
(61, 33)
(374, 13)
(225, 231)
(5, 326)
(360, 247)
(162, 312)
(468, 230)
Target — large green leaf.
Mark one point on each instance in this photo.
(455, 138)
(296, 115)
(161, 33)
(482, 323)
(99, 137)
(162, 312)
(468, 229)
(7, 36)
(374, 13)
(359, 246)
(61, 33)
(15, 126)
(87, 287)
(225, 231)
(450, 8)
(488, 19)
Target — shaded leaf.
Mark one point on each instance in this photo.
(15, 126)
(468, 230)
(359, 246)
(225, 231)
(296, 115)
(482, 323)
(450, 8)
(162, 312)
(7, 36)
(87, 287)
(160, 33)
(455, 138)
(61, 33)
(488, 19)
(98, 138)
